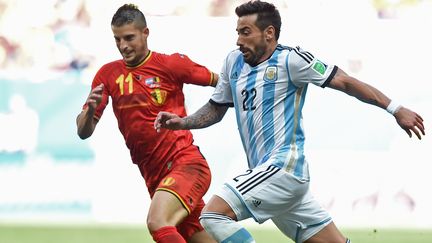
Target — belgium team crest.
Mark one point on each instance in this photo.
(159, 96)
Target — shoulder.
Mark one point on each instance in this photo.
(233, 57)
(169, 57)
(281, 47)
(111, 66)
(234, 54)
(302, 55)
(173, 59)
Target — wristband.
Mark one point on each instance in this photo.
(393, 107)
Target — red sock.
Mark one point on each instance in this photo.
(167, 234)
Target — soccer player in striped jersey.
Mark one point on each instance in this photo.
(266, 83)
(140, 85)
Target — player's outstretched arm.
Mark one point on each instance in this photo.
(86, 123)
(206, 116)
(408, 120)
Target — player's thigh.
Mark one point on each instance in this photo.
(165, 209)
(304, 219)
(179, 193)
(329, 234)
(188, 182)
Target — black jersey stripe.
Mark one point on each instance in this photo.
(257, 179)
(260, 181)
(309, 54)
(257, 174)
(302, 55)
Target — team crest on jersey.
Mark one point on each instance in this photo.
(159, 96)
(168, 181)
(319, 67)
(152, 82)
(270, 73)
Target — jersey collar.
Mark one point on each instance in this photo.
(149, 54)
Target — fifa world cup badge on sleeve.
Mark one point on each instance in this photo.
(319, 67)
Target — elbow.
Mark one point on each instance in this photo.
(84, 133)
(83, 136)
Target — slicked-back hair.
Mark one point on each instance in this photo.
(127, 14)
(267, 13)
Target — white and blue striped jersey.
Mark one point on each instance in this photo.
(268, 101)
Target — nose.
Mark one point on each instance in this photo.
(123, 45)
(239, 42)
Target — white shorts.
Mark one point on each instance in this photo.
(268, 192)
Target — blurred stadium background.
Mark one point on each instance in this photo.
(365, 170)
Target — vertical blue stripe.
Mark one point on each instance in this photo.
(283, 154)
(250, 83)
(268, 105)
(234, 76)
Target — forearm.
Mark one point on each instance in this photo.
(86, 124)
(368, 94)
(206, 116)
(360, 90)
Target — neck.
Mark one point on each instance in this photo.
(268, 52)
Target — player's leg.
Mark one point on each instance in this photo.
(329, 234)
(164, 214)
(179, 193)
(307, 221)
(243, 197)
(192, 230)
(219, 220)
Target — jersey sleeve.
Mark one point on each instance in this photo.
(98, 79)
(187, 71)
(304, 68)
(222, 94)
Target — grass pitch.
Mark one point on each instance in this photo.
(138, 234)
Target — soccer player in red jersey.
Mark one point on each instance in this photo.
(140, 85)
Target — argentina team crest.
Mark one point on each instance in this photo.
(270, 73)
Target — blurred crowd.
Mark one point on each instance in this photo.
(56, 34)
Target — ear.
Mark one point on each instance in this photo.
(269, 33)
(146, 31)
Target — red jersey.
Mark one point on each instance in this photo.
(138, 94)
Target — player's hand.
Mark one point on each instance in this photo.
(95, 97)
(410, 121)
(169, 121)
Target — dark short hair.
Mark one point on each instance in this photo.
(129, 13)
(268, 14)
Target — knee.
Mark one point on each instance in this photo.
(207, 220)
(204, 221)
(210, 220)
(154, 223)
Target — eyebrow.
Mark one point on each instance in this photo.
(242, 29)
